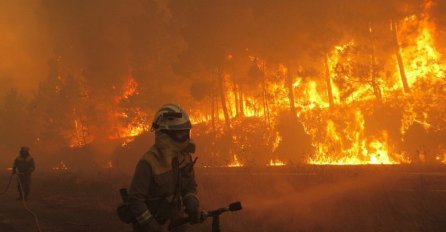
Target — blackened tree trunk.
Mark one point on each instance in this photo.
(328, 81)
(223, 99)
(236, 99)
(399, 58)
(241, 103)
(373, 70)
(265, 99)
(289, 84)
(213, 108)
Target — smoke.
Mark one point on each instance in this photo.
(308, 200)
(24, 46)
(105, 42)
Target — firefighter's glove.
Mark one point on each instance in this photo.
(192, 208)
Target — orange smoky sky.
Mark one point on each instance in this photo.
(24, 47)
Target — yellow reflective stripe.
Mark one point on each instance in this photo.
(191, 195)
(144, 217)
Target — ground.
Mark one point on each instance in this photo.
(305, 198)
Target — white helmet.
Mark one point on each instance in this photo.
(171, 117)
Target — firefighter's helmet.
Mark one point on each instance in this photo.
(171, 117)
(24, 150)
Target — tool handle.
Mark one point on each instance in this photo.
(124, 195)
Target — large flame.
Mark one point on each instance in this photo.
(137, 123)
(276, 163)
(332, 105)
(339, 137)
(422, 59)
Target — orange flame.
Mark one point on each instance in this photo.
(137, 122)
(276, 162)
(421, 57)
(235, 163)
(61, 166)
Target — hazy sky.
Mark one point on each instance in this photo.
(24, 48)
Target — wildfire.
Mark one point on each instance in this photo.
(130, 88)
(136, 119)
(61, 166)
(108, 165)
(80, 136)
(331, 105)
(235, 163)
(276, 162)
(314, 96)
(349, 146)
(339, 134)
(421, 58)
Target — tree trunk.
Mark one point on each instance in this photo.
(374, 82)
(236, 99)
(328, 80)
(241, 103)
(399, 58)
(289, 84)
(213, 103)
(265, 100)
(223, 100)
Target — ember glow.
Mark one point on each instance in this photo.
(276, 162)
(235, 163)
(61, 166)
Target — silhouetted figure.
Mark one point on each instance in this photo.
(23, 167)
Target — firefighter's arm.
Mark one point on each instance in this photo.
(189, 190)
(14, 167)
(188, 177)
(138, 195)
(33, 166)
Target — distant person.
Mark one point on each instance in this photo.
(163, 187)
(23, 167)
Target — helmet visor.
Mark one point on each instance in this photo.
(178, 135)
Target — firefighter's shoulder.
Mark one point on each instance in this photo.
(154, 159)
(151, 156)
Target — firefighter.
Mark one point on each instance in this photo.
(163, 187)
(23, 167)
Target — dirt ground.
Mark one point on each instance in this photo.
(291, 199)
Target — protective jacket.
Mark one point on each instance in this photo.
(24, 165)
(161, 181)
